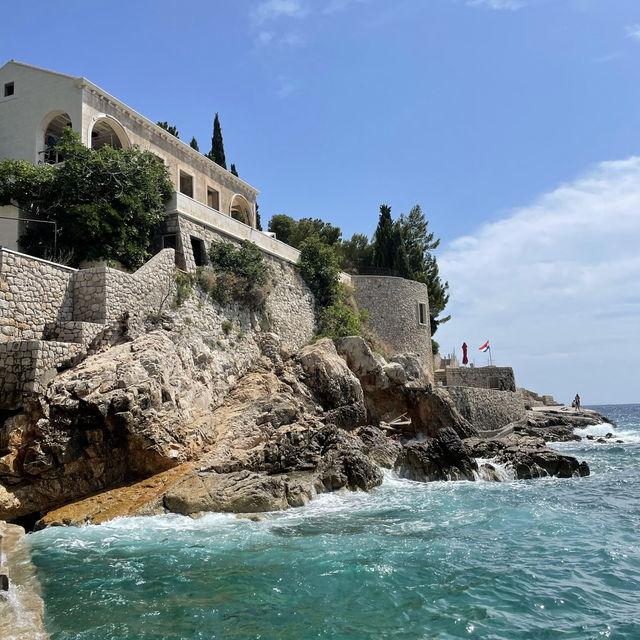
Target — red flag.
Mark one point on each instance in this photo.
(484, 347)
(465, 360)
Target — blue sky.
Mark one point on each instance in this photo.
(515, 124)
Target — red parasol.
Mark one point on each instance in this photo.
(465, 360)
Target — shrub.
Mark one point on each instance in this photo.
(320, 269)
(237, 273)
(226, 327)
(184, 288)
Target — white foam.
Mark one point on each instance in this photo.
(628, 436)
(503, 472)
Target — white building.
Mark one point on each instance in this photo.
(36, 105)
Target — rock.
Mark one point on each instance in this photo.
(444, 457)
(381, 449)
(327, 374)
(528, 456)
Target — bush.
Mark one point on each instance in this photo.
(184, 288)
(235, 274)
(320, 269)
(340, 320)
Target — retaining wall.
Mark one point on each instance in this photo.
(487, 409)
(500, 378)
(33, 293)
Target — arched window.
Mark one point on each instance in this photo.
(53, 127)
(241, 210)
(108, 131)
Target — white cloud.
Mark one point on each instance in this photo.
(335, 6)
(633, 31)
(609, 57)
(497, 4)
(555, 286)
(265, 37)
(274, 9)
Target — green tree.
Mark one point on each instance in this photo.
(283, 226)
(356, 253)
(105, 202)
(258, 221)
(423, 266)
(234, 171)
(194, 144)
(217, 145)
(170, 128)
(383, 252)
(320, 268)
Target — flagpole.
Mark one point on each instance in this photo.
(490, 360)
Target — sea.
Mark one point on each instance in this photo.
(535, 559)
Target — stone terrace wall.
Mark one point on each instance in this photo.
(33, 293)
(487, 409)
(28, 365)
(392, 304)
(104, 295)
(290, 303)
(501, 378)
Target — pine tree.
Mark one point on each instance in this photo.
(169, 128)
(194, 144)
(217, 145)
(233, 170)
(383, 240)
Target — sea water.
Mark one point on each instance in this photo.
(546, 558)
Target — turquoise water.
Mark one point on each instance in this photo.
(521, 559)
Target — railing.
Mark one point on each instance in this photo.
(50, 156)
(228, 226)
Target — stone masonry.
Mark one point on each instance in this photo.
(394, 313)
(487, 409)
(501, 378)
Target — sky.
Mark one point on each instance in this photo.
(515, 124)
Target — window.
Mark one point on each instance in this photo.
(422, 313)
(186, 184)
(169, 241)
(199, 254)
(9, 89)
(213, 199)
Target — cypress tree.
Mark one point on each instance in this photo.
(383, 240)
(258, 221)
(233, 170)
(217, 145)
(194, 144)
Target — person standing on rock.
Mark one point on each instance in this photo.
(576, 402)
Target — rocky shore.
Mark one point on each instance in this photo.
(172, 421)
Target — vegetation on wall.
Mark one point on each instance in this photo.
(337, 314)
(194, 144)
(235, 273)
(105, 202)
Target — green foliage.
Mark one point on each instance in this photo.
(235, 274)
(169, 128)
(184, 288)
(217, 145)
(383, 249)
(337, 315)
(258, 221)
(356, 254)
(295, 232)
(194, 144)
(320, 269)
(339, 320)
(233, 170)
(226, 327)
(105, 202)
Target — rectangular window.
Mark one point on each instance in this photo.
(169, 241)
(186, 184)
(422, 313)
(9, 89)
(199, 253)
(213, 199)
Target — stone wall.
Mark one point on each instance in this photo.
(290, 305)
(393, 309)
(104, 295)
(487, 409)
(27, 366)
(33, 293)
(501, 378)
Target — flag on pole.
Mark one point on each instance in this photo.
(485, 347)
